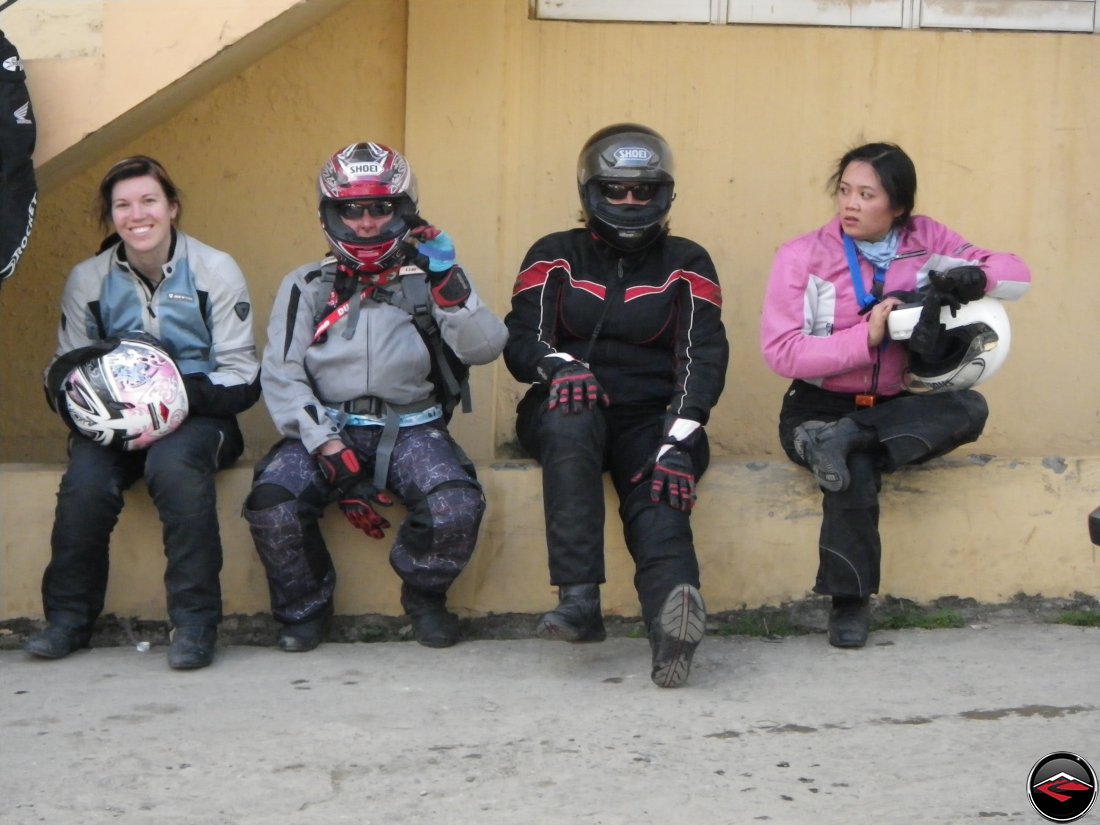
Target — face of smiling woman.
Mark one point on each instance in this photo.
(143, 218)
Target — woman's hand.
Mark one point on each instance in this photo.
(876, 321)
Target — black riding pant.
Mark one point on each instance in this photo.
(179, 473)
(575, 449)
(910, 429)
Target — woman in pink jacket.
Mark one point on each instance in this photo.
(846, 416)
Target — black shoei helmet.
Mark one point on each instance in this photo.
(626, 153)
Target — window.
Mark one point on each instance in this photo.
(1014, 15)
(1035, 15)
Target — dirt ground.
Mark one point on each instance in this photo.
(922, 726)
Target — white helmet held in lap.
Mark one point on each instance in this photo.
(971, 347)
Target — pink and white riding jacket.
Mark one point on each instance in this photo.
(810, 327)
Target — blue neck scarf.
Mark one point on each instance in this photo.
(880, 253)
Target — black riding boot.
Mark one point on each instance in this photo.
(675, 633)
(433, 625)
(577, 618)
(849, 621)
(825, 448)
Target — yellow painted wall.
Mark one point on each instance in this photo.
(246, 156)
(1002, 127)
(491, 107)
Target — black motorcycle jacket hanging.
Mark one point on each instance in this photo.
(18, 190)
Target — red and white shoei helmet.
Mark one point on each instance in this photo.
(366, 172)
(973, 345)
(126, 398)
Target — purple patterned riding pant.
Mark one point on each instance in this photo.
(428, 472)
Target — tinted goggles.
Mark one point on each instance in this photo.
(619, 191)
(353, 211)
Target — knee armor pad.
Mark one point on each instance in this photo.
(266, 496)
(463, 501)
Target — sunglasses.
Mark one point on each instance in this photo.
(376, 209)
(619, 191)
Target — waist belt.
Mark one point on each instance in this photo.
(390, 417)
(367, 405)
(832, 400)
(373, 406)
(409, 419)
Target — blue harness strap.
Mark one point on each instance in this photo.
(866, 301)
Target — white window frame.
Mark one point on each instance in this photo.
(1081, 16)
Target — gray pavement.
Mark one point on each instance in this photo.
(920, 727)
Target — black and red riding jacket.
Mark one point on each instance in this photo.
(648, 323)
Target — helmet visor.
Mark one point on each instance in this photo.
(343, 219)
(605, 200)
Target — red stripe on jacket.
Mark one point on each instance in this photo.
(700, 287)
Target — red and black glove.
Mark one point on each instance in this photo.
(672, 477)
(358, 504)
(357, 495)
(451, 288)
(573, 387)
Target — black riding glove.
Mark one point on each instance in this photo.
(963, 283)
(672, 477)
(60, 369)
(573, 387)
(927, 332)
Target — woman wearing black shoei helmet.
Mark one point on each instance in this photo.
(617, 326)
(862, 404)
(155, 359)
(359, 345)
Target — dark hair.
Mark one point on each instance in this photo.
(137, 166)
(895, 170)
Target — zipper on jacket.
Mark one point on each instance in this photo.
(150, 290)
(603, 315)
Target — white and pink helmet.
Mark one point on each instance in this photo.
(126, 398)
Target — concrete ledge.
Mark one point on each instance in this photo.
(971, 527)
